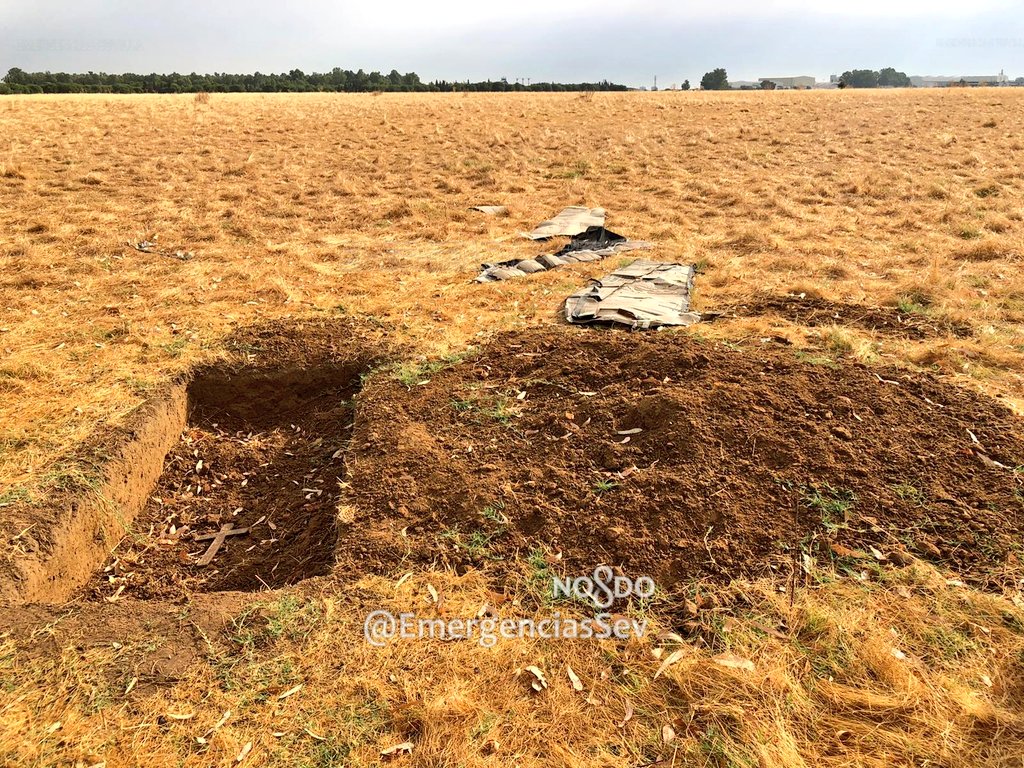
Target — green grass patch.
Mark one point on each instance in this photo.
(833, 505)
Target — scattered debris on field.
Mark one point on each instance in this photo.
(643, 294)
(149, 246)
(490, 210)
(570, 221)
(594, 244)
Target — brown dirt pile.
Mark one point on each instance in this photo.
(814, 311)
(678, 458)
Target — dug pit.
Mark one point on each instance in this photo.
(248, 496)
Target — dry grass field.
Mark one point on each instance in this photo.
(881, 229)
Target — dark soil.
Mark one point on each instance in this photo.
(264, 450)
(813, 312)
(677, 458)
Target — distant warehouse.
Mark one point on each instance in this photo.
(961, 80)
(799, 82)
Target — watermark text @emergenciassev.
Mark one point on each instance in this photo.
(601, 590)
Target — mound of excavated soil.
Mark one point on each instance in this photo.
(676, 458)
(813, 311)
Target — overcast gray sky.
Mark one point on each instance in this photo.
(569, 41)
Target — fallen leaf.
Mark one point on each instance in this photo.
(671, 659)
(732, 661)
(432, 591)
(116, 596)
(768, 630)
(244, 752)
(539, 683)
(176, 716)
(405, 577)
(668, 734)
(627, 717)
(577, 684)
(842, 551)
(987, 461)
(289, 692)
(404, 748)
(900, 558)
(224, 718)
(986, 680)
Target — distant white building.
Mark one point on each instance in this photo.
(927, 81)
(797, 82)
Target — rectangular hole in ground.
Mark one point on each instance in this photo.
(262, 451)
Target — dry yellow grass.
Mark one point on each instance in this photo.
(357, 204)
(903, 669)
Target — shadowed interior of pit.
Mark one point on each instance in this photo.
(262, 451)
(263, 456)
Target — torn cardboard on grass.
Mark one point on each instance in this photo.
(573, 220)
(592, 244)
(643, 294)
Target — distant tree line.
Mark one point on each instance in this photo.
(869, 78)
(337, 80)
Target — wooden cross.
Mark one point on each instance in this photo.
(216, 540)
